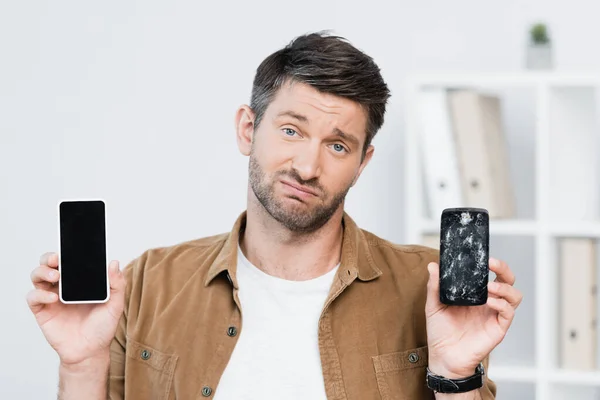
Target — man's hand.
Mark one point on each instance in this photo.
(80, 334)
(460, 337)
(77, 332)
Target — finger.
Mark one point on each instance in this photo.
(506, 312)
(118, 283)
(49, 259)
(433, 303)
(502, 271)
(115, 277)
(47, 286)
(43, 274)
(38, 298)
(506, 292)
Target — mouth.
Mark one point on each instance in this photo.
(299, 188)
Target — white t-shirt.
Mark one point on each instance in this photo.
(277, 353)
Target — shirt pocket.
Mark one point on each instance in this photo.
(401, 375)
(148, 372)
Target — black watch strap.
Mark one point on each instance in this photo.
(440, 384)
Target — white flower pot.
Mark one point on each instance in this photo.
(539, 56)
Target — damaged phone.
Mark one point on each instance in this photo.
(464, 256)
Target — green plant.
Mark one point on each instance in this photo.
(539, 34)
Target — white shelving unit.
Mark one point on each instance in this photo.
(527, 367)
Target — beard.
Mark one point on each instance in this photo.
(299, 218)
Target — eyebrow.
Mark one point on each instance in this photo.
(346, 136)
(338, 132)
(294, 115)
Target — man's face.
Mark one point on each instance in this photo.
(305, 156)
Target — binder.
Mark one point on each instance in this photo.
(437, 147)
(482, 152)
(578, 303)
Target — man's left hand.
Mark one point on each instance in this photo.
(460, 337)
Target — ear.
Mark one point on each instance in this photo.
(244, 125)
(368, 156)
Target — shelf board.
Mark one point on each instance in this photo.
(575, 228)
(517, 78)
(530, 227)
(512, 374)
(529, 374)
(497, 227)
(574, 377)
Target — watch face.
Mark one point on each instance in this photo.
(480, 369)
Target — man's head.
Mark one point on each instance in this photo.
(316, 106)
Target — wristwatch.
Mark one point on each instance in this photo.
(440, 384)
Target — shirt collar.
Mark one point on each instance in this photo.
(356, 261)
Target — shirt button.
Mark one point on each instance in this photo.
(206, 391)
(232, 331)
(145, 354)
(413, 357)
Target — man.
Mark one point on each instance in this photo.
(296, 302)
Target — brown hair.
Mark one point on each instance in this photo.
(329, 64)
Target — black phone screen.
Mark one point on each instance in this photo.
(464, 256)
(83, 250)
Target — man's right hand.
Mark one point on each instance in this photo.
(79, 333)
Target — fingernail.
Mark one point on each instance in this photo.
(493, 285)
(52, 274)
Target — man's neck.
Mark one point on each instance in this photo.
(279, 252)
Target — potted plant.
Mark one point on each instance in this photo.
(539, 49)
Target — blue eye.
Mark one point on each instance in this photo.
(338, 148)
(289, 131)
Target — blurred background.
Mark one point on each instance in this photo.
(133, 102)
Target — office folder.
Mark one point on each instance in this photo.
(482, 152)
(437, 146)
(578, 303)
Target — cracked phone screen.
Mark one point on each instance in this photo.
(464, 256)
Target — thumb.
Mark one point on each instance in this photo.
(433, 289)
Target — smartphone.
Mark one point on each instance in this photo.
(82, 260)
(464, 256)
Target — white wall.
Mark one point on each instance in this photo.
(134, 102)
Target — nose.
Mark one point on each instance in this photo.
(308, 162)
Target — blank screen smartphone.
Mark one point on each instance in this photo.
(82, 252)
(464, 256)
